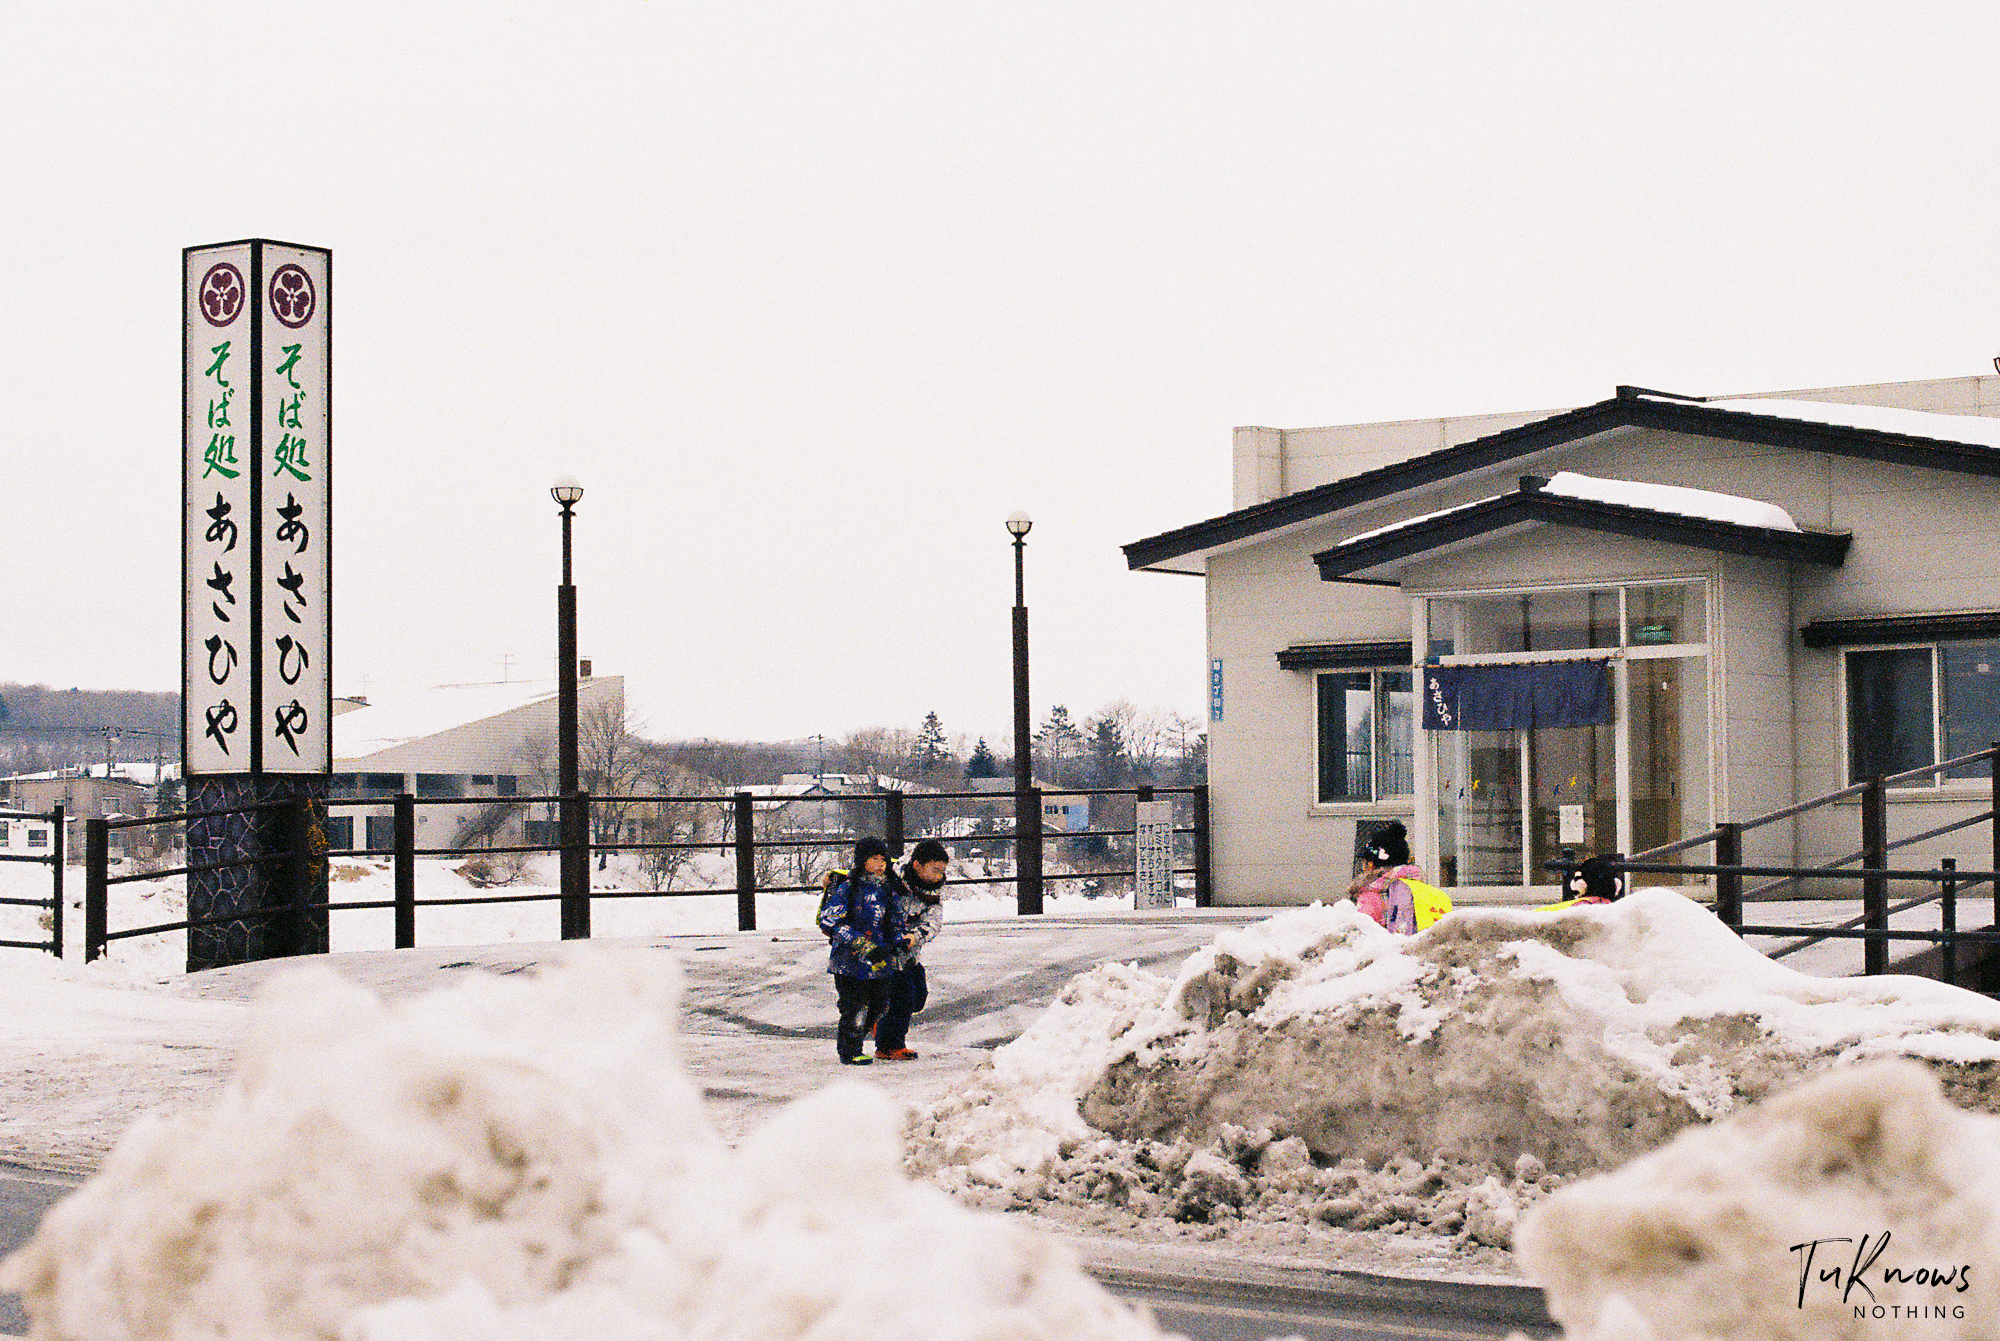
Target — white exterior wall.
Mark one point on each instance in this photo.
(1269, 842)
(1923, 543)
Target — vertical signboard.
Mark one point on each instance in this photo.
(1153, 876)
(294, 511)
(1215, 689)
(257, 574)
(218, 530)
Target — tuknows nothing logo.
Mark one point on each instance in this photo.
(1874, 1288)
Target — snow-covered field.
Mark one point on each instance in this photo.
(1614, 1089)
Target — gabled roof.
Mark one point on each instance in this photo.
(1966, 444)
(1685, 521)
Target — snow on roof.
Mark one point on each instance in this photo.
(381, 726)
(1670, 498)
(1974, 429)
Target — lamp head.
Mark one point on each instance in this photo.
(566, 490)
(1018, 524)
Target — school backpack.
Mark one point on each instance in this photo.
(1432, 902)
(827, 884)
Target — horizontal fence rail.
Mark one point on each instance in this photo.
(583, 826)
(52, 906)
(1868, 865)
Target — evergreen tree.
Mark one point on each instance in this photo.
(982, 764)
(1108, 758)
(932, 750)
(1059, 739)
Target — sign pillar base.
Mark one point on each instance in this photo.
(266, 904)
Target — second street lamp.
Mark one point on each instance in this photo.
(574, 863)
(1027, 806)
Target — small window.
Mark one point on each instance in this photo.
(382, 783)
(1891, 726)
(482, 779)
(503, 784)
(340, 833)
(439, 784)
(1364, 735)
(39, 837)
(342, 784)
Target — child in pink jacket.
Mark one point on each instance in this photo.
(1380, 890)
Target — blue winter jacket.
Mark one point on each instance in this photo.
(863, 909)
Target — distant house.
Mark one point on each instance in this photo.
(84, 794)
(25, 835)
(490, 741)
(1596, 629)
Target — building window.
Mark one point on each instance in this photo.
(503, 784)
(340, 833)
(39, 837)
(440, 784)
(1906, 704)
(1364, 735)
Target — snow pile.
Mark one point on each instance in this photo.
(1316, 1067)
(518, 1157)
(1858, 1205)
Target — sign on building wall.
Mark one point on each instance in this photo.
(1215, 690)
(1153, 878)
(257, 574)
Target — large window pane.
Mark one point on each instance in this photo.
(1346, 731)
(1971, 702)
(1396, 702)
(1666, 614)
(1538, 621)
(1889, 728)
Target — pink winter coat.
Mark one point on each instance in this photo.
(1383, 896)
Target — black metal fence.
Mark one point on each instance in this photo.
(1958, 949)
(52, 905)
(580, 821)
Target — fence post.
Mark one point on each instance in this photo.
(1204, 881)
(1874, 888)
(403, 839)
(1728, 884)
(1028, 852)
(61, 856)
(96, 867)
(1994, 766)
(575, 811)
(1948, 921)
(892, 822)
(746, 864)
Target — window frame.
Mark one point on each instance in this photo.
(1379, 743)
(1938, 782)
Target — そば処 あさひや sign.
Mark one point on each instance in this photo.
(257, 573)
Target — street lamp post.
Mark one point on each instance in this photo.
(1027, 805)
(573, 863)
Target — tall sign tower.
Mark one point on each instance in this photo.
(256, 595)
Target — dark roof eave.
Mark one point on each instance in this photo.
(1819, 547)
(1556, 431)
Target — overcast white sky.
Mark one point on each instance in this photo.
(810, 296)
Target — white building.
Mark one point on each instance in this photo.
(1747, 601)
(493, 741)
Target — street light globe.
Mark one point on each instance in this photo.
(1018, 524)
(566, 490)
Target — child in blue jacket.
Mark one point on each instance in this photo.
(863, 917)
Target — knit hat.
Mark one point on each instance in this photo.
(928, 850)
(865, 848)
(1388, 845)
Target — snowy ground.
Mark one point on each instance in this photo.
(1303, 1086)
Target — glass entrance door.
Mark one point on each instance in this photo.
(1508, 803)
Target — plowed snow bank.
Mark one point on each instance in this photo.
(1315, 1065)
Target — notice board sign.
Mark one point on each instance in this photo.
(1153, 880)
